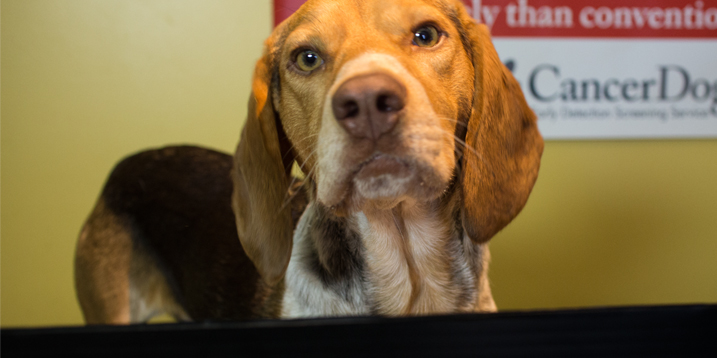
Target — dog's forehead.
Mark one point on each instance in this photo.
(321, 22)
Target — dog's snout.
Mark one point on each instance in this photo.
(369, 106)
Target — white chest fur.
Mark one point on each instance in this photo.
(412, 261)
(413, 264)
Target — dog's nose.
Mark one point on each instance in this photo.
(369, 105)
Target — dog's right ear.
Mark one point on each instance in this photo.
(261, 178)
(499, 172)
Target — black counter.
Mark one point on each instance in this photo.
(664, 331)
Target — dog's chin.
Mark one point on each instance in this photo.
(384, 181)
(383, 177)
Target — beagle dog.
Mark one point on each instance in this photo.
(416, 146)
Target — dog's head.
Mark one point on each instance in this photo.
(381, 102)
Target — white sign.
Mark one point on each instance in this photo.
(617, 88)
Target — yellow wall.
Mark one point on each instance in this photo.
(85, 83)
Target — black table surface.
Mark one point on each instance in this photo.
(660, 331)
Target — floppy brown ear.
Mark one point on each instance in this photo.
(261, 180)
(502, 129)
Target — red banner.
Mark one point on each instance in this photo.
(284, 8)
(584, 18)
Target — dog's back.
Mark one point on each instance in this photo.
(162, 239)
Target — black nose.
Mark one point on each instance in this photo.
(367, 106)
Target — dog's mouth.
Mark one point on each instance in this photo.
(383, 166)
(391, 179)
(384, 179)
(411, 167)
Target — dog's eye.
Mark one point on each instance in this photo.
(426, 36)
(308, 60)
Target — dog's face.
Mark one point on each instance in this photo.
(371, 102)
(381, 102)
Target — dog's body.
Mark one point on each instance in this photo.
(162, 239)
(417, 146)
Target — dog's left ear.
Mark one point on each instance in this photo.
(261, 177)
(498, 177)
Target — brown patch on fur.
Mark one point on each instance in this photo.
(150, 294)
(102, 262)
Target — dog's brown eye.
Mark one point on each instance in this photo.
(426, 36)
(308, 60)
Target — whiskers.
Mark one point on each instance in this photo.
(297, 184)
(462, 143)
(301, 140)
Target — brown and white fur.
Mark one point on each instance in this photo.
(415, 154)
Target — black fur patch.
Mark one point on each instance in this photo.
(338, 253)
